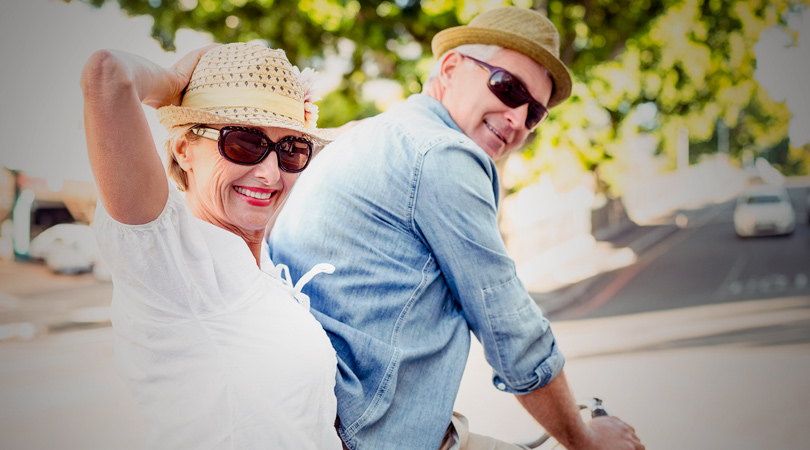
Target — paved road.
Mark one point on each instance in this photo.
(705, 263)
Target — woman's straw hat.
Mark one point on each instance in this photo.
(248, 84)
(524, 30)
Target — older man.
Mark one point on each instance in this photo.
(405, 206)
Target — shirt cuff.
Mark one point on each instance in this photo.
(549, 369)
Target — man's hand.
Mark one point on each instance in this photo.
(554, 407)
(611, 433)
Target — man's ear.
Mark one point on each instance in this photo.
(448, 68)
(180, 149)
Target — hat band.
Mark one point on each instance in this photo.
(220, 98)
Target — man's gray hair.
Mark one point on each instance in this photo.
(478, 51)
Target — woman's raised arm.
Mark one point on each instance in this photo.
(126, 166)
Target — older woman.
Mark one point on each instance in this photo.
(216, 344)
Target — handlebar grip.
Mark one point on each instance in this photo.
(598, 412)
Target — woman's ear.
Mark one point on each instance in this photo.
(180, 149)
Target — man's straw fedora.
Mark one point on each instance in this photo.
(247, 84)
(523, 30)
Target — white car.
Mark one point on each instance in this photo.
(67, 248)
(764, 210)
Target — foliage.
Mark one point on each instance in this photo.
(691, 67)
(641, 66)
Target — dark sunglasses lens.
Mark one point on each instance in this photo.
(513, 93)
(293, 153)
(507, 88)
(537, 113)
(243, 147)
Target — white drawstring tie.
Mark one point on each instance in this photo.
(282, 272)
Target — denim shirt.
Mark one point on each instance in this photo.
(404, 205)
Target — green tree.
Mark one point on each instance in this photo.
(690, 66)
(648, 66)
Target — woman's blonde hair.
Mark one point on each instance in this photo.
(173, 169)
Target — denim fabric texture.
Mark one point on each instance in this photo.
(404, 205)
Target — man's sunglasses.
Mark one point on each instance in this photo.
(248, 146)
(512, 92)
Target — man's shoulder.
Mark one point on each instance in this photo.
(425, 123)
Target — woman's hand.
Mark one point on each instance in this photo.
(178, 77)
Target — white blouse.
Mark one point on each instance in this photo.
(218, 353)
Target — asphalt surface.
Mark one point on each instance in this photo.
(705, 263)
(578, 279)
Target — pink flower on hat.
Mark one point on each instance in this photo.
(308, 79)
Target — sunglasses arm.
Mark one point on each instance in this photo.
(208, 133)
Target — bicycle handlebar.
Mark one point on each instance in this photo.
(594, 405)
(597, 410)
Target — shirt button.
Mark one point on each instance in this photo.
(501, 386)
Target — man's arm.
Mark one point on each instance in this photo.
(554, 407)
(455, 210)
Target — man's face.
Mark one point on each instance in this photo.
(495, 127)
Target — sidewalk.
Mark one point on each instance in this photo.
(35, 301)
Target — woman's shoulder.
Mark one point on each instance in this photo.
(175, 205)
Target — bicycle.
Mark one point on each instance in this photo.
(546, 442)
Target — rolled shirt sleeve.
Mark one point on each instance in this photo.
(455, 212)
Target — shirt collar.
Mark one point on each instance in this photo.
(434, 106)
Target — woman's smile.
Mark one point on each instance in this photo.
(255, 196)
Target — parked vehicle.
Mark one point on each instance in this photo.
(67, 248)
(764, 210)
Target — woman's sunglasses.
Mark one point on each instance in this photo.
(512, 92)
(247, 146)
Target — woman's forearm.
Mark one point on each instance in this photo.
(125, 163)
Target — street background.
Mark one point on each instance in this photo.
(701, 341)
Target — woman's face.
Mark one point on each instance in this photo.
(239, 198)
